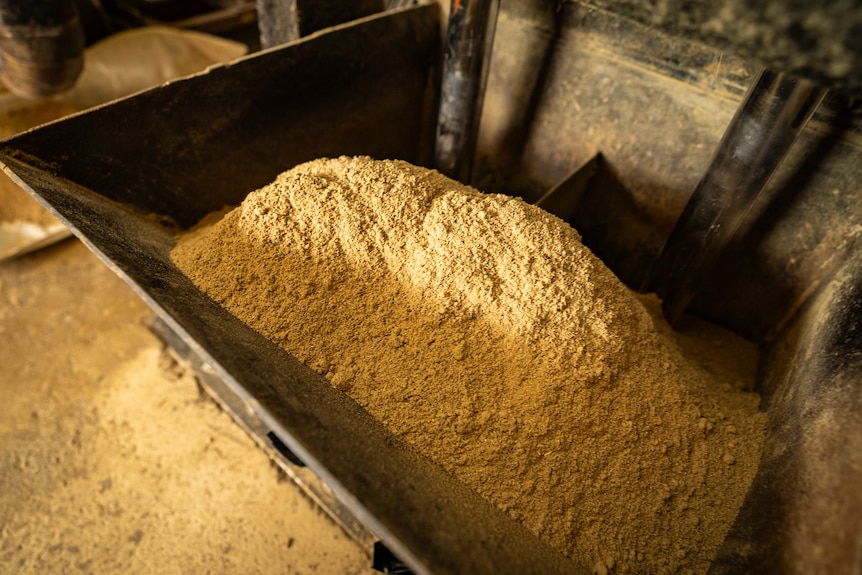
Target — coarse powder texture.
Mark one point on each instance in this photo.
(482, 331)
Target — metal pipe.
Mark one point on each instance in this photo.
(41, 46)
(772, 115)
(469, 37)
(277, 22)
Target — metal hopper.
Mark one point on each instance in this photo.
(125, 176)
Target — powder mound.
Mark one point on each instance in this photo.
(474, 253)
(482, 331)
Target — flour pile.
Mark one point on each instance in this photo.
(481, 330)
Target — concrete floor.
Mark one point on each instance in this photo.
(111, 458)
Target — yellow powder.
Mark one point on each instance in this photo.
(482, 331)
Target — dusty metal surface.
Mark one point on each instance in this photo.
(163, 155)
(819, 41)
(584, 82)
(803, 513)
(765, 127)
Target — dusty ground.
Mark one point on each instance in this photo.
(112, 461)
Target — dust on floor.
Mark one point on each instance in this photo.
(113, 461)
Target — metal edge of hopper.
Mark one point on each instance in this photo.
(235, 406)
(802, 511)
(562, 200)
(175, 153)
